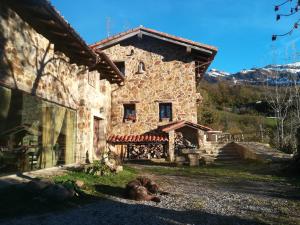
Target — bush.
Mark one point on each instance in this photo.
(98, 168)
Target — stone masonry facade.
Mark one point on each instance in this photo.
(168, 77)
(29, 62)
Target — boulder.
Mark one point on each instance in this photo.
(79, 183)
(119, 169)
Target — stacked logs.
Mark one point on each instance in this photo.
(181, 143)
(150, 151)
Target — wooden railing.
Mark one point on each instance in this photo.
(244, 137)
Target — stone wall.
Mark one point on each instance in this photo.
(169, 77)
(28, 62)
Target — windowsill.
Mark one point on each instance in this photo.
(129, 121)
(163, 120)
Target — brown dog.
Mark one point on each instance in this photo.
(142, 189)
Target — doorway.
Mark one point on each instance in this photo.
(99, 141)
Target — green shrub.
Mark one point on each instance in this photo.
(98, 168)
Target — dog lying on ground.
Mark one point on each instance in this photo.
(143, 189)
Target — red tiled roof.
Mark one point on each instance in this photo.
(182, 123)
(144, 138)
(162, 34)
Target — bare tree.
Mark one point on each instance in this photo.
(292, 10)
(280, 100)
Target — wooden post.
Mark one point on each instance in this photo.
(200, 138)
(171, 146)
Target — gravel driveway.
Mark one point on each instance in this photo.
(192, 200)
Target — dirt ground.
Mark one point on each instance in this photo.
(196, 196)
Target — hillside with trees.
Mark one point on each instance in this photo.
(237, 109)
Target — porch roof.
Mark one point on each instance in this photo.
(140, 139)
(46, 20)
(182, 123)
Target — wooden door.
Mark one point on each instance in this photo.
(99, 137)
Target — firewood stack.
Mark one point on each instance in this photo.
(146, 151)
(181, 142)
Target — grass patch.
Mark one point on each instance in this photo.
(95, 185)
(15, 201)
(247, 171)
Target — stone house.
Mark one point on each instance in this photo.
(64, 102)
(55, 92)
(161, 72)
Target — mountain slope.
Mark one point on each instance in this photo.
(271, 74)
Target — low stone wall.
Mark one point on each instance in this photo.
(246, 153)
(260, 152)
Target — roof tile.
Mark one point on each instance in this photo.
(144, 138)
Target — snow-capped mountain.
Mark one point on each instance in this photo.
(217, 73)
(271, 74)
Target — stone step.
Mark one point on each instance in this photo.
(226, 158)
(228, 162)
(221, 151)
(227, 149)
(228, 154)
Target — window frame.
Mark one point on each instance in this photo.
(166, 106)
(126, 108)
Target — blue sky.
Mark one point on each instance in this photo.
(241, 29)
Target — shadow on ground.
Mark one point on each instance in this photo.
(147, 162)
(110, 190)
(106, 211)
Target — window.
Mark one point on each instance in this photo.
(129, 113)
(121, 66)
(34, 133)
(165, 111)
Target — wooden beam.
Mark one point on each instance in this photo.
(188, 49)
(103, 66)
(104, 69)
(117, 40)
(61, 34)
(140, 35)
(201, 58)
(177, 42)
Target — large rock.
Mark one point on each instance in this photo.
(79, 183)
(119, 169)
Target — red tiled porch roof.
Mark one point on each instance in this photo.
(144, 138)
(182, 123)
